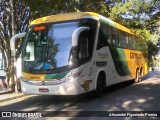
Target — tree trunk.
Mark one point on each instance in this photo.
(10, 73)
(13, 59)
(12, 17)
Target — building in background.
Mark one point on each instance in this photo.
(3, 85)
(2, 73)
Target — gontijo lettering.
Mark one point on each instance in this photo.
(135, 56)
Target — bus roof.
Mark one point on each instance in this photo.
(79, 15)
(63, 17)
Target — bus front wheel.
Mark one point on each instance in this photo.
(100, 86)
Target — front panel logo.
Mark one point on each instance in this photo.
(43, 82)
(35, 77)
(102, 55)
(86, 85)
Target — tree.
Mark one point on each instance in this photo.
(13, 19)
(98, 6)
(41, 8)
(152, 51)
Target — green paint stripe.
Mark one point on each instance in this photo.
(120, 61)
(56, 75)
(107, 21)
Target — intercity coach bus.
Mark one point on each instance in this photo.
(75, 53)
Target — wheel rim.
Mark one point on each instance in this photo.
(137, 77)
(140, 76)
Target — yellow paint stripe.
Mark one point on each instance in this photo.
(134, 63)
(120, 27)
(63, 17)
(93, 14)
(33, 76)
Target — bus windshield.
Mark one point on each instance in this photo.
(48, 46)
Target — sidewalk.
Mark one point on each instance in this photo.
(3, 84)
(5, 96)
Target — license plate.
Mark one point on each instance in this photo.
(43, 90)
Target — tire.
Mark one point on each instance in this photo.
(138, 76)
(100, 87)
(141, 75)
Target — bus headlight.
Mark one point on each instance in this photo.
(73, 76)
(69, 78)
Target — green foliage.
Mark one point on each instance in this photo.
(119, 9)
(98, 6)
(152, 51)
(144, 33)
(41, 8)
(155, 37)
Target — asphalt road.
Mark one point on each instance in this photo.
(123, 98)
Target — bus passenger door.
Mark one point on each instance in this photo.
(85, 49)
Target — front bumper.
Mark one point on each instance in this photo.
(63, 88)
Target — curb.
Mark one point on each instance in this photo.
(5, 92)
(12, 98)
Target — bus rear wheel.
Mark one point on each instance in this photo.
(141, 74)
(138, 76)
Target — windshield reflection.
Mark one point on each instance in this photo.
(48, 46)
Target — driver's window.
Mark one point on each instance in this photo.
(83, 48)
(29, 54)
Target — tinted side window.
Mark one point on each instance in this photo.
(115, 37)
(104, 36)
(123, 39)
(83, 48)
(131, 42)
(88, 37)
(138, 47)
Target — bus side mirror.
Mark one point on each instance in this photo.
(13, 40)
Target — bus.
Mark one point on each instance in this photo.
(75, 53)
